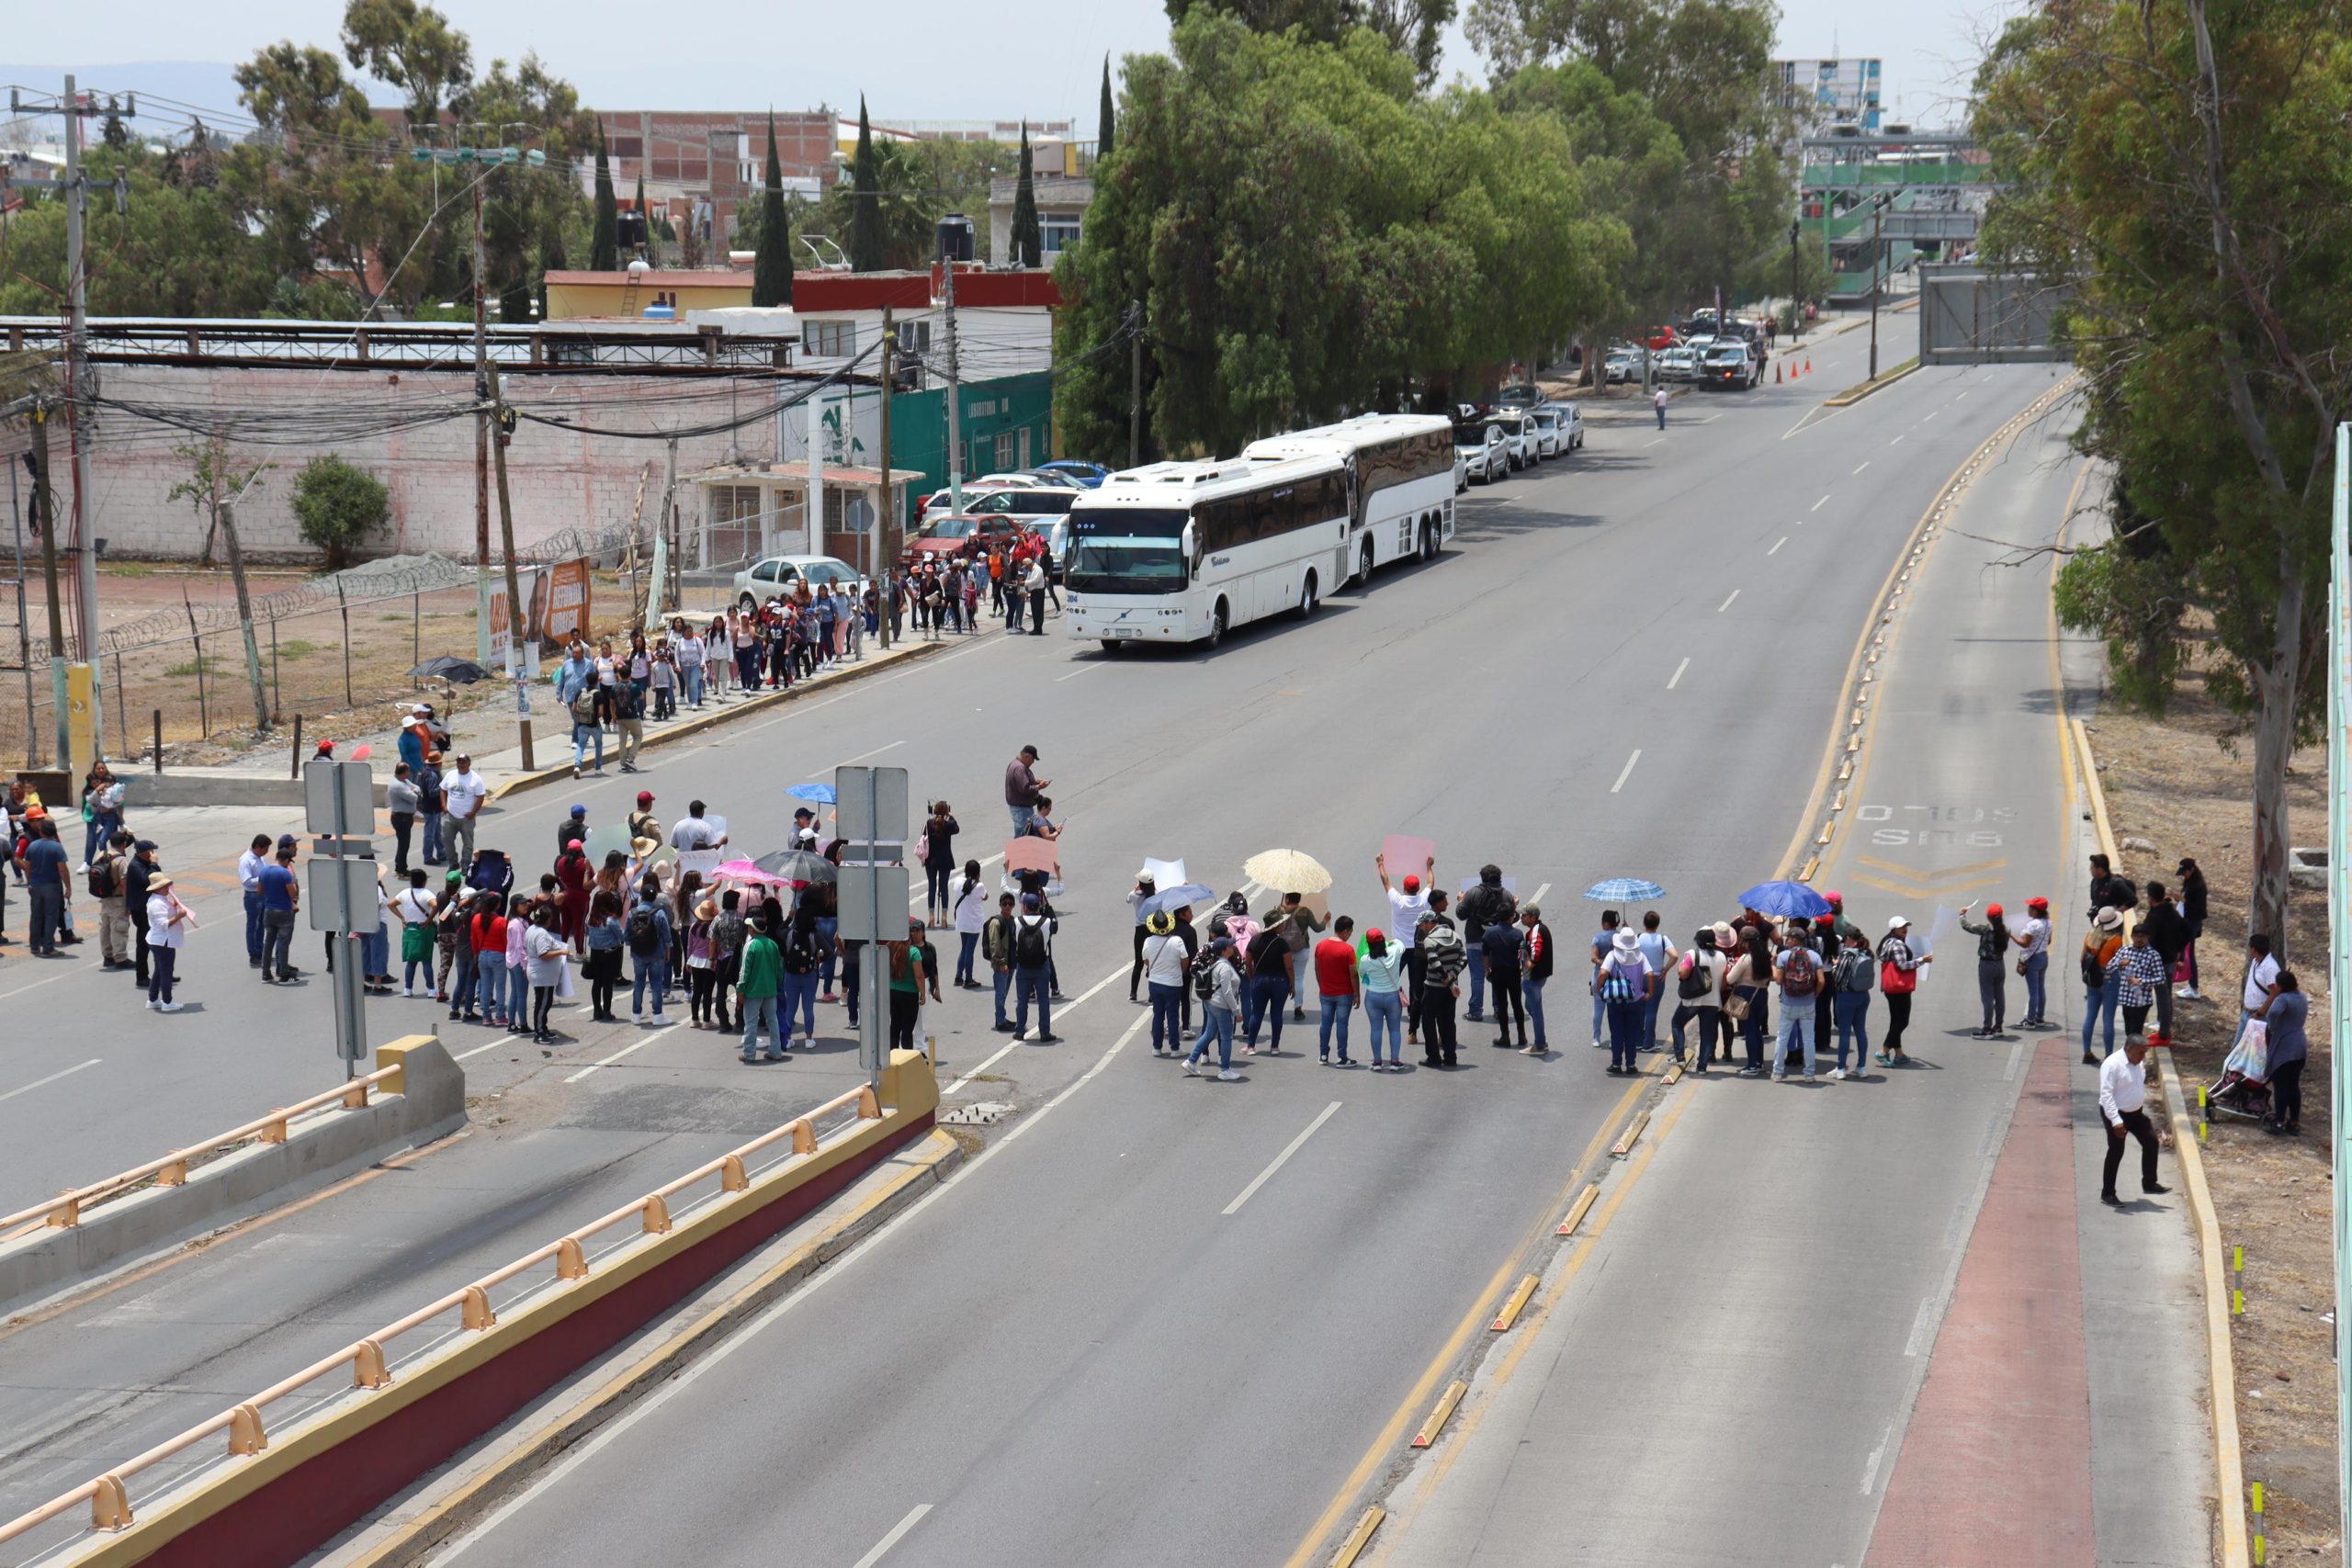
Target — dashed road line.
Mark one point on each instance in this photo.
(1776, 548)
(44, 1083)
(1627, 772)
(1726, 603)
(1677, 679)
(1281, 1159)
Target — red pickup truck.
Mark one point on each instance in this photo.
(947, 538)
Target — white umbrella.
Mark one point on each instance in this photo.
(1287, 871)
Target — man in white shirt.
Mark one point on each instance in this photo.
(695, 832)
(464, 791)
(2261, 980)
(2123, 1096)
(1405, 912)
(249, 869)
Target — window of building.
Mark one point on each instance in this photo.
(1056, 235)
(1005, 453)
(829, 340)
(914, 337)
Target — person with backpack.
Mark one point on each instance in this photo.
(801, 954)
(1167, 965)
(587, 727)
(136, 875)
(1624, 982)
(1033, 957)
(1502, 952)
(757, 986)
(1218, 985)
(1992, 938)
(1747, 986)
(1602, 942)
(1698, 983)
(1798, 970)
(1442, 957)
(1535, 969)
(646, 932)
(996, 951)
(431, 807)
(1898, 978)
(2102, 989)
(1849, 1000)
(728, 934)
(106, 886)
(1487, 903)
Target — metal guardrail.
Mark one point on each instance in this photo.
(65, 1211)
(372, 1370)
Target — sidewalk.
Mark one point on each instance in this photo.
(1874, 1322)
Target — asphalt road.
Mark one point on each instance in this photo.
(1102, 1342)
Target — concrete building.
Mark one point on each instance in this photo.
(1827, 92)
(705, 163)
(1062, 178)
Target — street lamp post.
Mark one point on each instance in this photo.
(1878, 218)
(1796, 306)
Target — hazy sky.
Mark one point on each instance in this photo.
(934, 59)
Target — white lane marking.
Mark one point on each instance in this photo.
(1628, 772)
(898, 1533)
(1726, 603)
(1281, 1159)
(44, 1083)
(1878, 1457)
(614, 1430)
(916, 895)
(1922, 1328)
(1898, 440)
(2016, 1059)
(507, 1039)
(1076, 673)
(1537, 897)
(1655, 441)
(1776, 548)
(1677, 674)
(1012, 1045)
(74, 969)
(1865, 463)
(1822, 503)
(628, 1050)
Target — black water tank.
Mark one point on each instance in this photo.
(954, 238)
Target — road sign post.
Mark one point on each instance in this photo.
(870, 808)
(339, 806)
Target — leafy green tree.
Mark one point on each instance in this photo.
(772, 267)
(1028, 240)
(1105, 118)
(414, 47)
(2179, 169)
(112, 133)
(179, 251)
(866, 243)
(338, 505)
(604, 245)
(1413, 27)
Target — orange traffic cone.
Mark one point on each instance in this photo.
(1776, 372)
(1808, 363)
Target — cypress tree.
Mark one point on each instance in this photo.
(604, 244)
(866, 202)
(1028, 242)
(644, 213)
(1105, 117)
(772, 269)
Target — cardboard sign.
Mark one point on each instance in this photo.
(1165, 872)
(1031, 855)
(704, 860)
(1318, 902)
(1407, 856)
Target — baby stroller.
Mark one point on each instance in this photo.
(2243, 1090)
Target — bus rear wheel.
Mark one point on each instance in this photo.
(1307, 598)
(1216, 626)
(1363, 572)
(1429, 541)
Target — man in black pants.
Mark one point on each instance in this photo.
(1502, 949)
(2122, 1094)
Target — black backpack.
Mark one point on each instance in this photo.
(644, 935)
(799, 949)
(2094, 972)
(1029, 949)
(1204, 974)
(105, 876)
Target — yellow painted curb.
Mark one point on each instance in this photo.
(1514, 1303)
(1624, 1144)
(2229, 1460)
(691, 727)
(1578, 1210)
(1446, 1405)
(1359, 1538)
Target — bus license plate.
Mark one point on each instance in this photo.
(1126, 631)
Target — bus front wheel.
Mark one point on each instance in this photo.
(1307, 598)
(1216, 626)
(1363, 573)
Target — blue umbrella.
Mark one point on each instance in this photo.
(1623, 890)
(814, 794)
(1168, 900)
(1784, 898)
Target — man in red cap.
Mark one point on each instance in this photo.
(642, 823)
(1405, 912)
(1839, 924)
(2033, 935)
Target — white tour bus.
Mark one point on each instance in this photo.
(1185, 552)
(1400, 469)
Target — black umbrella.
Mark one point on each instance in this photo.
(448, 666)
(799, 866)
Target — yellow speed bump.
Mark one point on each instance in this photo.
(1578, 1210)
(1514, 1303)
(1624, 1145)
(1446, 1403)
(1359, 1538)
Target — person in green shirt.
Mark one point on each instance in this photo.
(755, 989)
(912, 967)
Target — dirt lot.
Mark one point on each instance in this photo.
(2171, 784)
(304, 665)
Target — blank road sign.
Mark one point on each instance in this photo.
(883, 816)
(342, 895)
(322, 779)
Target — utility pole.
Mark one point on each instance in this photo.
(1878, 218)
(1796, 306)
(78, 391)
(1134, 387)
(245, 615)
(45, 502)
(885, 536)
(24, 632)
(955, 397)
(485, 394)
(519, 647)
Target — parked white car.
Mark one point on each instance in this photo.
(1482, 450)
(1519, 436)
(1547, 431)
(777, 575)
(1571, 426)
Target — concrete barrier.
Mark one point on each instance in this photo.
(425, 1100)
(281, 1492)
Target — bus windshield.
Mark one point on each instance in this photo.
(1125, 550)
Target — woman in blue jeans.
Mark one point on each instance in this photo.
(1380, 970)
(2103, 955)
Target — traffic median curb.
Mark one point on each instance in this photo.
(1853, 395)
(904, 654)
(475, 1484)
